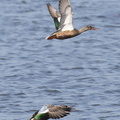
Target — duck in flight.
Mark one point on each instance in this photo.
(51, 111)
(63, 22)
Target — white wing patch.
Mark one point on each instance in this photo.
(59, 19)
(66, 19)
(67, 25)
(44, 109)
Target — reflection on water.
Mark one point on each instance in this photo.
(82, 72)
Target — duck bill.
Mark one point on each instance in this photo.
(95, 28)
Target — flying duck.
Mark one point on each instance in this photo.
(51, 111)
(63, 22)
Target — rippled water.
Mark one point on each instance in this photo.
(82, 72)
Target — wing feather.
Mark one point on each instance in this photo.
(66, 15)
(53, 12)
(57, 111)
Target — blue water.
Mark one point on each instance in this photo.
(81, 72)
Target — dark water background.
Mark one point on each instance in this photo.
(82, 72)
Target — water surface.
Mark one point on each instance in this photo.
(82, 72)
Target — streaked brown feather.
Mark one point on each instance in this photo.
(58, 111)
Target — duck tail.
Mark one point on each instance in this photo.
(53, 36)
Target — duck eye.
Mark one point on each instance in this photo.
(89, 27)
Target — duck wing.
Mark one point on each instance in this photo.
(53, 12)
(55, 15)
(66, 15)
(57, 111)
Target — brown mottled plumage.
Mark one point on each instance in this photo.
(69, 33)
(65, 29)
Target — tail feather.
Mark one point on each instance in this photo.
(53, 36)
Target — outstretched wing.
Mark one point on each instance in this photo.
(53, 12)
(57, 112)
(55, 15)
(66, 15)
